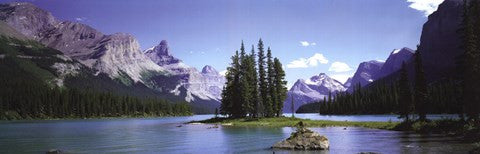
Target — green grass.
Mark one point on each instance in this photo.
(290, 122)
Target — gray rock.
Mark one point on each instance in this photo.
(55, 151)
(304, 139)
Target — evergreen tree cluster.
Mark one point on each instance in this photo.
(255, 85)
(469, 61)
(28, 97)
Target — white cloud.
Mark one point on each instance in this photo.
(308, 62)
(306, 43)
(223, 72)
(339, 67)
(425, 6)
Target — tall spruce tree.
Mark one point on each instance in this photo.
(253, 80)
(262, 78)
(405, 98)
(245, 89)
(230, 98)
(280, 86)
(271, 104)
(421, 93)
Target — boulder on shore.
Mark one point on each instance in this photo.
(304, 139)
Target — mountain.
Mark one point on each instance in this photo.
(32, 61)
(440, 44)
(440, 40)
(117, 56)
(394, 61)
(205, 85)
(366, 73)
(348, 83)
(310, 90)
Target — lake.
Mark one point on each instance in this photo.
(162, 135)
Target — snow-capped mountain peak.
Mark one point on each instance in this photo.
(313, 89)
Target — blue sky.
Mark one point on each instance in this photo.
(309, 36)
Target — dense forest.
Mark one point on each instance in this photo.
(254, 91)
(459, 95)
(29, 91)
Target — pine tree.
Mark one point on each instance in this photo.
(244, 89)
(229, 93)
(420, 93)
(280, 86)
(253, 81)
(262, 78)
(405, 99)
(271, 104)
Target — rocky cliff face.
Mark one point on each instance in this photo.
(120, 54)
(27, 19)
(440, 42)
(310, 90)
(366, 73)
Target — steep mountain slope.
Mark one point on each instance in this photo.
(50, 66)
(394, 61)
(366, 73)
(440, 40)
(310, 90)
(115, 55)
(348, 83)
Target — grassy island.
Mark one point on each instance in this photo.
(291, 122)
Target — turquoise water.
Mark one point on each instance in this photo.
(162, 135)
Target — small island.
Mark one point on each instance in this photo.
(303, 139)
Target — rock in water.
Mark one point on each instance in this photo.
(55, 151)
(304, 139)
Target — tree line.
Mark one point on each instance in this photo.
(460, 95)
(255, 86)
(24, 96)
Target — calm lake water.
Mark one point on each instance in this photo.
(161, 135)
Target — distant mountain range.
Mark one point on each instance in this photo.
(439, 45)
(318, 87)
(117, 56)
